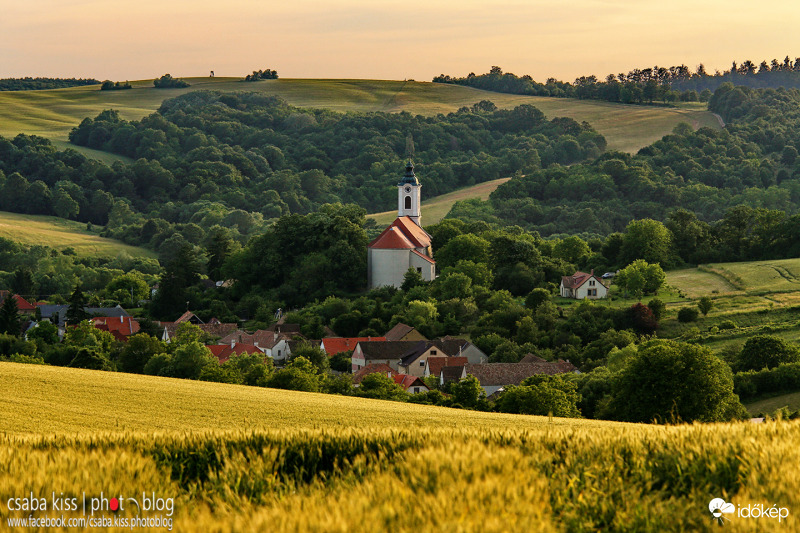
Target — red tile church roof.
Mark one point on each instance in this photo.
(392, 238)
(415, 234)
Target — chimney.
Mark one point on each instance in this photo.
(592, 273)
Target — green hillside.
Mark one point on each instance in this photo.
(53, 113)
(60, 234)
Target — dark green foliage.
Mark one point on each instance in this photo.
(542, 395)
(31, 84)
(75, 312)
(109, 85)
(10, 321)
(182, 272)
(467, 392)
(342, 362)
(657, 307)
(766, 351)
(688, 314)
(266, 74)
(168, 82)
(300, 375)
(705, 304)
(11, 344)
(138, 351)
(92, 359)
(381, 387)
(671, 381)
(784, 378)
(44, 332)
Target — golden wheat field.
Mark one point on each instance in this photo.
(244, 459)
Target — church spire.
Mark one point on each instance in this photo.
(408, 195)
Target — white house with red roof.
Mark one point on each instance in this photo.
(404, 244)
(581, 285)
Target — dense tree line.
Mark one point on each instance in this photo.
(168, 82)
(109, 85)
(265, 74)
(259, 154)
(640, 86)
(32, 84)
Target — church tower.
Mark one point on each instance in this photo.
(408, 196)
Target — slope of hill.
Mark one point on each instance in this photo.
(60, 234)
(365, 465)
(438, 207)
(53, 113)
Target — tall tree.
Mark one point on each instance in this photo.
(9, 316)
(77, 302)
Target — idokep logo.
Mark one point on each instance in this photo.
(719, 508)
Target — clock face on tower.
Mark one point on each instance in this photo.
(408, 189)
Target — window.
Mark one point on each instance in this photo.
(419, 269)
(433, 352)
(591, 283)
(416, 389)
(592, 292)
(408, 202)
(422, 363)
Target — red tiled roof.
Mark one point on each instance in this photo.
(334, 345)
(185, 317)
(406, 381)
(392, 238)
(435, 364)
(515, 373)
(373, 368)
(413, 232)
(120, 327)
(224, 352)
(578, 279)
(22, 303)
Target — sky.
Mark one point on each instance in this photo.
(413, 39)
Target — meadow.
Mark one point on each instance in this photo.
(60, 234)
(53, 113)
(232, 458)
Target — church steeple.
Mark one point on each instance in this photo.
(408, 195)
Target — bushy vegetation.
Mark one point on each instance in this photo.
(168, 82)
(109, 85)
(266, 74)
(31, 84)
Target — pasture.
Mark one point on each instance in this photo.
(60, 234)
(53, 113)
(232, 458)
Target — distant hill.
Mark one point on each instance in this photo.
(53, 113)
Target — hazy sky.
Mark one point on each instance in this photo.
(137, 39)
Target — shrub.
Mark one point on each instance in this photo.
(727, 324)
(688, 314)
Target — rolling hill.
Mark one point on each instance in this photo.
(53, 113)
(60, 234)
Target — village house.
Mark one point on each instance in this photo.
(414, 361)
(273, 344)
(404, 332)
(495, 376)
(434, 365)
(411, 384)
(388, 352)
(581, 285)
(374, 368)
(24, 307)
(213, 328)
(120, 327)
(224, 352)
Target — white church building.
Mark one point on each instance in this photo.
(404, 244)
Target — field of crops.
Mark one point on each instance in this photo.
(60, 234)
(289, 461)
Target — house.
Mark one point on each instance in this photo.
(388, 352)
(57, 314)
(224, 352)
(413, 362)
(404, 244)
(273, 344)
(404, 332)
(214, 328)
(493, 376)
(334, 345)
(434, 365)
(581, 285)
(120, 327)
(24, 307)
(449, 374)
(374, 368)
(411, 384)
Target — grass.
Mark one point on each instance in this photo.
(437, 208)
(770, 405)
(53, 113)
(233, 458)
(59, 233)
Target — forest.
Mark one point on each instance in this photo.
(649, 85)
(32, 84)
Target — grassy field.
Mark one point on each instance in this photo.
(437, 208)
(60, 233)
(233, 458)
(770, 405)
(53, 113)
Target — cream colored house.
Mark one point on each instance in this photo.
(581, 285)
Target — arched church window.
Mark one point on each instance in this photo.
(408, 202)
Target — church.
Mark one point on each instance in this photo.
(404, 244)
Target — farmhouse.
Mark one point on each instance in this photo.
(495, 376)
(404, 332)
(24, 307)
(334, 345)
(404, 244)
(415, 360)
(376, 352)
(581, 285)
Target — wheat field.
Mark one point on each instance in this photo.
(234, 458)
